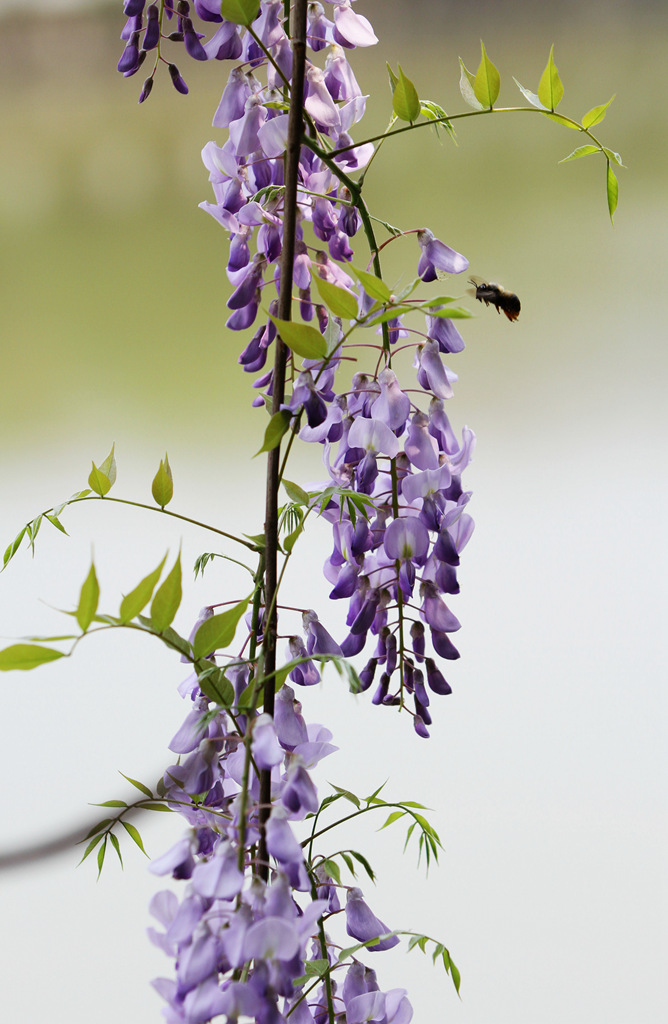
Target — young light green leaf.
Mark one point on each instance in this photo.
(241, 12)
(13, 547)
(596, 114)
(580, 151)
(393, 78)
(278, 426)
(162, 487)
(135, 602)
(487, 81)
(99, 481)
(392, 818)
(218, 632)
(302, 339)
(435, 112)
(339, 300)
(405, 99)
(27, 656)
(373, 286)
(138, 785)
(88, 600)
(295, 492)
(615, 158)
(612, 190)
(528, 95)
(167, 599)
(55, 521)
(466, 87)
(156, 807)
(550, 88)
(134, 834)
(565, 121)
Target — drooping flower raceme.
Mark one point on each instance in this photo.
(392, 493)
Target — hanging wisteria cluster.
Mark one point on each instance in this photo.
(252, 938)
(264, 926)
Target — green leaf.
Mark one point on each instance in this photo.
(88, 600)
(134, 834)
(339, 300)
(559, 119)
(393, 78)
(530, 96)
(116, 845)
(13, 547)
(91, 846)
(27, 656)
(365, 864)
(550, 88)
(466, 86)
(332, 869)
(347, 795)
(295, 492)
(392, 818)
(450, 313)
(167, 599)
(596, 114)
(487, 81)
(100, 827)
(435, 112)
(103, 477)
(302, 339)
(135, 602)
(405, 99)
(156, 807)
(612, 156)
(580, 151)
(112, 803)
(138, 785)
(100, 856)
(214, 683)
(99, 482)
(373, 286)
(218, 631)
(55, 521)
(241, 12)
(289, 542)
(278, 426)
(612, 190)
(162, 487)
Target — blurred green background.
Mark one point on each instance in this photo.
(547, 766)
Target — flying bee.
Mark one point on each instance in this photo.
(496, 295)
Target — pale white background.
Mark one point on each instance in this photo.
(546, 770)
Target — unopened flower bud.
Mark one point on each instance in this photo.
(177, 81)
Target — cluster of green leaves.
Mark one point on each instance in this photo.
(428, 843)
(102, 833)
(481, 91)
(100, 481)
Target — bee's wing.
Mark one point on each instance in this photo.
(476, 280)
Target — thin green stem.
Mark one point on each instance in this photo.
(166, 512)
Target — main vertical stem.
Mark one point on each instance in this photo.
(291, 163)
